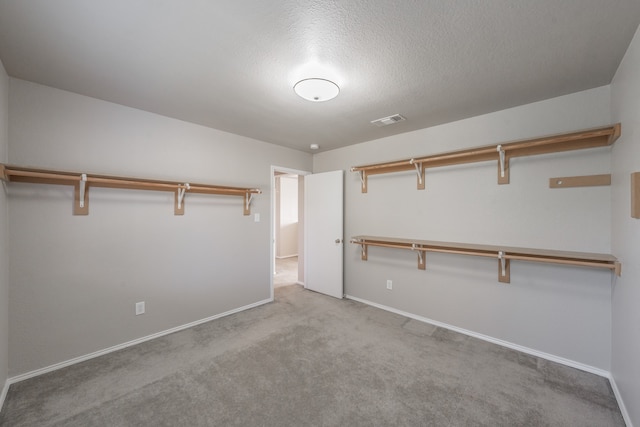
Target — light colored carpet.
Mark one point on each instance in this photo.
(312, 360)
(286, 272)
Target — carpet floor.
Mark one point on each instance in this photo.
(312, 360)
(286, 272)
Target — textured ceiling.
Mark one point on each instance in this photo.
(232, 65)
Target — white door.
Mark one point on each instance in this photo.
(323, 203)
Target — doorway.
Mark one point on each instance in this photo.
(287, 261)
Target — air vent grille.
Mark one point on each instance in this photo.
(388, 120)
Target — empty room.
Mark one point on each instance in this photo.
(320, 213)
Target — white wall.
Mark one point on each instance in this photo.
(75, 279)
(288, 226)
(4, 227)
(559, 310)
(626, 232)
(301, 229)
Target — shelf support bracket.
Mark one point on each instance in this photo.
(179, 199)
(83, 188)
(503, 166)
(420, 172)
(363, 180)
(365, 250)
(248, 197)
(364, 246)
(81, 196)
(504, 268)
(422, 265)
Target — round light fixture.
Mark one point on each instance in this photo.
(314, 146)
(316, 90)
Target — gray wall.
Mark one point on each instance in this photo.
(75, 279)
(4, 227)
(626, 232)
(558, 310)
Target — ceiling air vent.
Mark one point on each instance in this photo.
(388, 120)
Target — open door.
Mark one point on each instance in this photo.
(323, 207)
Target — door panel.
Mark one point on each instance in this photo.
(323, 207)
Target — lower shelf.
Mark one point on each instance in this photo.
(503, 254)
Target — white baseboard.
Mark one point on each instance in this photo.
(98, 353)
(541, 354)
(623, 408)
(287, 256)
(300, 283)
(3, 396)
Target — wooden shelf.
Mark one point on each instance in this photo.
(504, 255)
(82, 181)
(501, 153)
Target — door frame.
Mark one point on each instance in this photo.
(272, 254)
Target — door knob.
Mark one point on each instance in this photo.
(338, 240)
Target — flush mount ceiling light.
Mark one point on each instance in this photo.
(316, 90)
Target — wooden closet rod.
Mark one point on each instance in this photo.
(502, 254)
(502, 152)
(82, 182)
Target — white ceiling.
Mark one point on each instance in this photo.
(231, 65)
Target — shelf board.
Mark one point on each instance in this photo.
(584, 139)
(506, 253)
(82, 182)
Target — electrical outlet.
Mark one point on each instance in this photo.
(256, 217)
(389, 284)
(139, 308)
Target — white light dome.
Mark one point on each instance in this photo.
(316, 90)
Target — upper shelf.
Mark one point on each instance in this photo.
(590, 138)
(502, 253)
(82, 182)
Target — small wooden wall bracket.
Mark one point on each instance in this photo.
(365, 252)
(422, 257)
(248, 196)
(580, 181)
(618, 268)
(504, 268)
(363, 180)
(420, 172)
(503, 165)
(178, 201)
(247, 204)
(81, 198)
(635, 195)
(3, 173)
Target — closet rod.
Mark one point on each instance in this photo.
(107, 181)
(502, 254)
(83, 181)
(590, 138)
(597, 264)
(426, 249)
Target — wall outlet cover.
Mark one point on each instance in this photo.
(139, 308)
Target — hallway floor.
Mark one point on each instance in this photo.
(286, 272)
